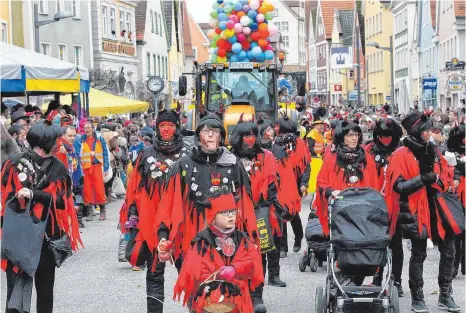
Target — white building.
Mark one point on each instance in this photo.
(289, 18)
(312, 55)
(114, 43)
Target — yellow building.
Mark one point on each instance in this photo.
(378, 28)
(5, 19)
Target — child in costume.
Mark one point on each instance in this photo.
(221, 264)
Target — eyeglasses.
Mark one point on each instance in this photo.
(229, 212)
(436, 131)
(353, 135)
(207, 130)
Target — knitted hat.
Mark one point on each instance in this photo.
(168, 116)
(212, 121)
(415, 123)
(219, 204)
(318, 115)
(18, 115)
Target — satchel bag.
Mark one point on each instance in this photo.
(23, 235)
(452, 217)
(264, 229)
(61, 248)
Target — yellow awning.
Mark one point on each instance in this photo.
(103, 104)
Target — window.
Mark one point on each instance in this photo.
(152, 28)
(75, 6)
(166, 67)
(275, 12)
(112, 21)
(122, 19)
(148, 64)
(4, 32)
(154, 60)
(277, 25)
(195, 53)
(129, 27)
(160, 24)
(59, 5)
(78, 55)
(351, 74)
(43, 7)
(104, 21)
(158, 63)
(156, 23)
(285, 27)
(321, 29)
(286, 41)
(62, 53)
(45, 48)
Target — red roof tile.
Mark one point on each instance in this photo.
(460, 7)
(433, 12)
(328, 9)
(188, 47)
(141, 9)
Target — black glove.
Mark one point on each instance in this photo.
(429, 178)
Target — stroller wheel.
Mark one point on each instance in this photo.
(302, 263)
(320, 300)
(313, 263)
(394, 301)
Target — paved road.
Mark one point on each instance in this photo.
(94, 281)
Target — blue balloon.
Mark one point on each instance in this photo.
(234, 58)
(236, 47)
(242, 55)
(220, 10)
(254, 26)
(238, 6)
(252, 14)
(249, 55)
(244, 2)
(254, 44)
(261, 57)
(222, 25)
(256, 52)
(268, 54)
(222, 17)
(232, 39)
(219, 1)
(229, 54)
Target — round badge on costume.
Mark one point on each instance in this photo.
(353, 179)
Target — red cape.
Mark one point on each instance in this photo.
(330, 176)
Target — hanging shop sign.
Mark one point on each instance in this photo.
(429, 83)
(455, 82)
(455, 64)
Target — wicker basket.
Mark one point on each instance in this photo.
(224, 306)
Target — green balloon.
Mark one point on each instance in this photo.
(214, 14)
(213, 58)
(269, 16)
(228, 9)
(215, 6)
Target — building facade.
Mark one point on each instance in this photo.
(69, 39)
(200, 42)
(379, 28)
(311, 53)
(5, 21)
(451, 42)
(116, 62)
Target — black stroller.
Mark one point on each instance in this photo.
(359, 239)
(317, 245)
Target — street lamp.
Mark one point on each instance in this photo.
(392, 78)
(57, 17)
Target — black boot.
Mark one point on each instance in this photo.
(258, 305)
(397, 285)
(276, 281)
(154, 305)
(297, 245)
(79, 213)
(418, 305)
(445, 300)
(103, 212)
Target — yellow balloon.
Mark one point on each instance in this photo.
(229, 32)
(223, 35)
(270, 7)
(221, 60)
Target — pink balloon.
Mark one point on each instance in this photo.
(269, 47)
(241, 37)
(260, 18)
(238, 28)
(233, 18)
(273, 30)
(254, 5)
(246, 31)
(230, 24)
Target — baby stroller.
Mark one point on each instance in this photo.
(359, 239)
(317, 245)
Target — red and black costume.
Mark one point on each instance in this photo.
(416, 175)
(343, 168)
(144, 192)
(455, 145)
(182, 210)
(293, 163)
(387, 134)
(261, 167)
(213, 250)
(51, 188)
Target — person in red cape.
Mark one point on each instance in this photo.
(222, 263)
(38, 176)
(293, 162)
(387, 134)
(347, 165)
(417, 173)
(456, 146)
(144, 192)
(261, 167)
(208, 168)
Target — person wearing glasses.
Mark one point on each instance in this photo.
(223, 253)
(416, 176)
(209, 168)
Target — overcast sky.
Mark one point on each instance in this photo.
(200, 9)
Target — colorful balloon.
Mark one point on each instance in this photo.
(241, 37)
(214, 14)
(240, 14)
(263, 26)
(254, 4)
(245, 20)
(246, 45)
(238, 28)
(273, 30)
(264, 33)
(234, 58)
(233, 18)
(252, 14)
(222, 25)
(269, 16)
(268, 54)
(246, 8)
(238, 6)
(246, 31)
(229, 32)
(255, 36)
(230, 24)
(260, 18)
(228, 9)
(232, 39)
(236, 47)
(222, 52)
(223, 17)
(262, 43)
(210, 33)
(254, 26)
(242, 55)
(213, 22)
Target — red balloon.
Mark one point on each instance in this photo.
(228, 46)
(221, 52)
(233, 13)
(246, 45)
(221, 43)
(262, 43)
(264, 33)
(218, 30)
(255, 36)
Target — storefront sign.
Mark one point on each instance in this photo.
(118, 47)
(337, 88)
(429, 83)
(455, 82)
(455, 64)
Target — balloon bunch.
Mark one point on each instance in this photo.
(241, 31)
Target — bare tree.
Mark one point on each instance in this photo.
(105, 80)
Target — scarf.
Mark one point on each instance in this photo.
(168, 147)
(266, 144)
(224, 241)
(381, 154)
(424, 153)
(352, 162)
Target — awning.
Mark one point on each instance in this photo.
(103, 104)
(27, 71)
